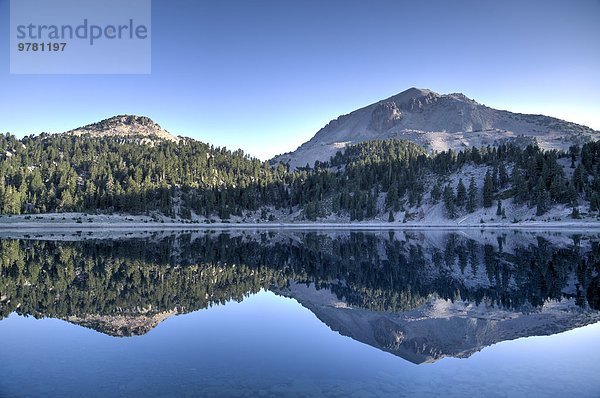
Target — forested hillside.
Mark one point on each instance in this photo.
(192, 180)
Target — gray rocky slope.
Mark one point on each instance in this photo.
(438, 123)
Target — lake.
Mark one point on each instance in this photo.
(245, 313)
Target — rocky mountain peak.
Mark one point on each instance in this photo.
(414, 92)
(437, 122)
(413, 99)
(124, 125)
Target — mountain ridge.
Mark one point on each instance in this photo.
(437, 122)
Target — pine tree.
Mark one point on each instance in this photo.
(436, 193)
(11, 203)
(392, 200)
(557, 187)
(520, 187)
(578, 179)
(461, 194)
(450, 201)
(542, 197)
(573, 151)
(502, 176)
(495, 179)
(391, 217)
(472, 196)
(499, 209)
(488, 189)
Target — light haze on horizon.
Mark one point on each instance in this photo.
(265, 76)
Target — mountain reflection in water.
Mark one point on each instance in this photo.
(418, 295)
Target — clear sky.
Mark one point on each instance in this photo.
(265, 76)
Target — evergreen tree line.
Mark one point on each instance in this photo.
(62, 173)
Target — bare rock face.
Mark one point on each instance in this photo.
(385, 116)
(125, 126)
(419, 102)
(438, 123)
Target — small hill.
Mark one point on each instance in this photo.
(124, 126)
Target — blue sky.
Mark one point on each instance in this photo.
(264, 76)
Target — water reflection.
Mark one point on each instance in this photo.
(421, 296)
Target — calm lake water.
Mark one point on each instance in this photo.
(300, 314)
